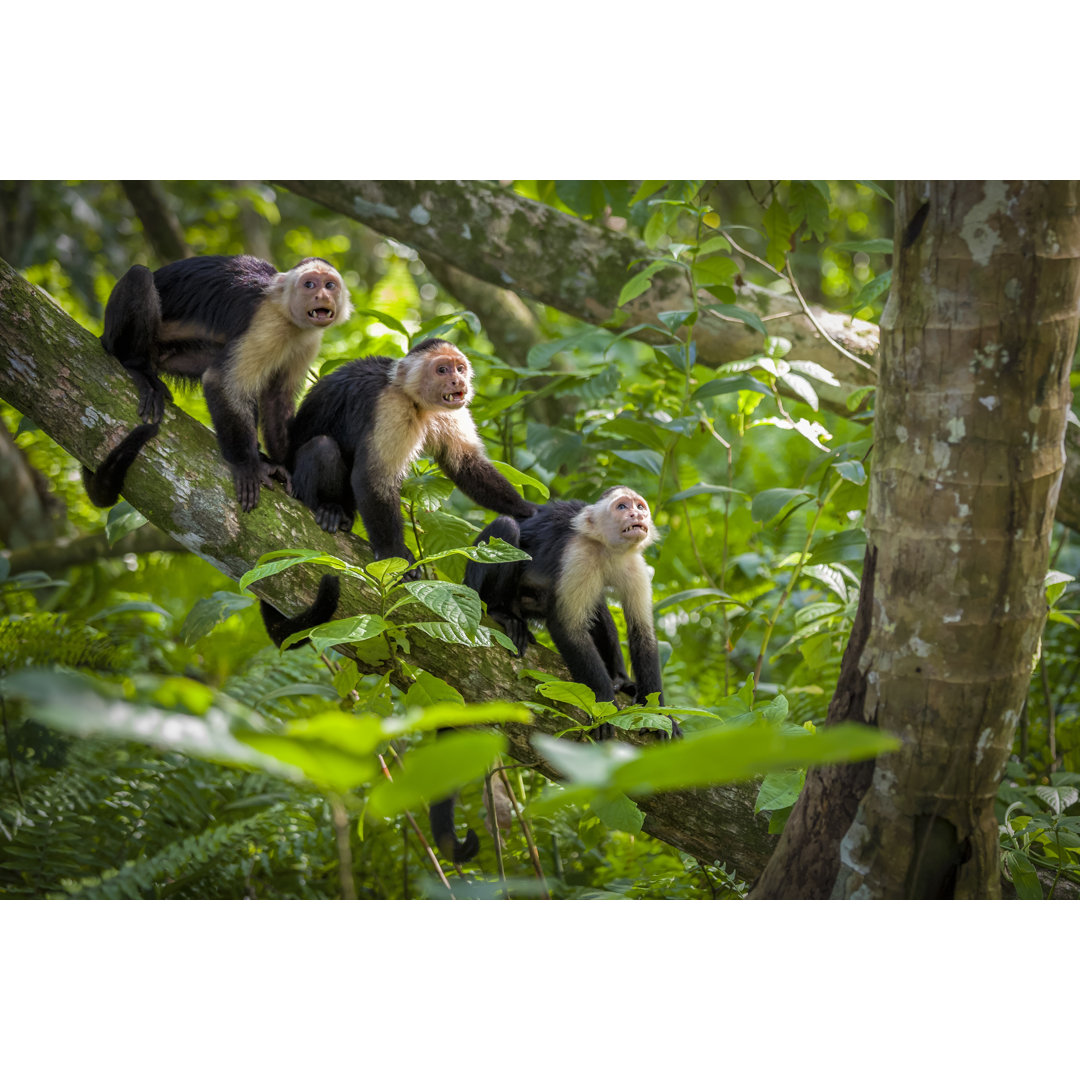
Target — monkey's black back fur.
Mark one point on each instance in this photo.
(221, 292)
(341, 405)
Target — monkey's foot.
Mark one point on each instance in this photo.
(153, 394)
(330, 518)
(248, 479)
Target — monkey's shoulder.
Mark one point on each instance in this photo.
(220, 291)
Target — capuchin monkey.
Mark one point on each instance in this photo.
(360, 427)
(578, 551)
(236, 325)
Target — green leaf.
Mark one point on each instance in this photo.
(779, 789)
(495, 550)
(1055, 584)
(778, 229)
(851, 470)
(877, 189)
(674, 320)
(638, 284)
(209, 611)
(270, 564)
(723, 755)
(456, 604)
(856, 397)
(729, 385)
(871, 291)
(521, 480)
(649, 460)
(430, 690)
(434, 771)
(647, 188)
(79, 706)
(768, 504)
(715, 270)
(579, 695)
(734, 312)
(845, 546)
(679, 599)
(123, 518)
(343, 631)
(1024, 878)
(617, 812)
(384, 318)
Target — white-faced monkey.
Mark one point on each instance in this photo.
(359, 428)
(578, 552)
(245, 331)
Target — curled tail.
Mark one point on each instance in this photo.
(279, 626)
(104, 485)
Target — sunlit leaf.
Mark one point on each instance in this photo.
(209, 611)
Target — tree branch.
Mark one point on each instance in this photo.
(57, 373)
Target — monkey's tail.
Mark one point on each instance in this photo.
(279, 626)
(441, 816)
(104, 485)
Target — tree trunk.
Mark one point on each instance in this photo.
(56, 373)
(978, 339)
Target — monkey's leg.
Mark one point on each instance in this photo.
(498, 584)
(132, 324)
(275, 409)
(606, 638)
(320, 481)
(235, 430)
(379, 504)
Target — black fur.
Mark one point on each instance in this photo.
(216, 296)
(441, 816)
(104, 485)
(280, 626)
(332, 466)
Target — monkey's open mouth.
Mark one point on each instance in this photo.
(637, 526)
(455, 397)
(321, 314)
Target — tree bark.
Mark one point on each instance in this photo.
(978, 339)
(55, 372)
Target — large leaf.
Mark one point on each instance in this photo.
(768, 504)
(434, 771)
(343, 631)
(456, 604)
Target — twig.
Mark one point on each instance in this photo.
(530, 843)
(423, 839)
(496, 835)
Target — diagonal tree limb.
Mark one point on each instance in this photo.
(55, 372)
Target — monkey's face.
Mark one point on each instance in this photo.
(628, 522)
(318, 297)
(447, 379)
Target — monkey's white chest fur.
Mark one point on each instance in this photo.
(274, 346)
(402, 431)
(588, 569)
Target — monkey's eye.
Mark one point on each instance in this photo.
(443, 369)
(309, 284)
(623, 506)
(331, 284)
(461, 369)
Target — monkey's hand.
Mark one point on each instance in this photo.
(331, 517)
(248, 478)
(625, 685)
(515, 628)
(527, 511)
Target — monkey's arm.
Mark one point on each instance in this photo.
(239, 442)
(379, 504)
(276, 408)
(482, 482)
